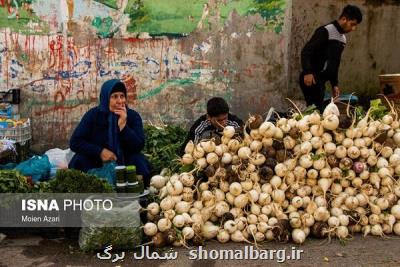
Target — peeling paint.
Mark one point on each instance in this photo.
(171, 78)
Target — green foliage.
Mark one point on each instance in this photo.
(66, 181)
(163, 146)
(373, 169)
(153, 198)
(11, 181)
(377, 109)
(310, 110)
(41, 187)
(318, 156)
(160, 16)
(186, 168)
(359, 113)
(138, 14)
(109, 3)
(96, 238)
(272, 11)
(74, 181)
(182, 16)
(269, 9)
(20, 25)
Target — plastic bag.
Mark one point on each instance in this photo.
(58, 158)
(119, 227)
(107, 172)
(38, 167)
(8, 166)
(6, 144)
(69, 154)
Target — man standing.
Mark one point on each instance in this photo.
(320, 57)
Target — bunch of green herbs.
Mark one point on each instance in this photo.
(74, 181)
(96, 238)
(163, 146)
(11, 181)
(377, 109)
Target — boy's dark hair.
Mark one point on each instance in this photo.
(217, 106)
(351, 12)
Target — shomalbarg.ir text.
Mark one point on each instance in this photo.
(246, 253)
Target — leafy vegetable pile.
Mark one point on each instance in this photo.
(119, 227)
(95, 238)
(74, 181)
(66, 181)
(12, 181)
(163, 145)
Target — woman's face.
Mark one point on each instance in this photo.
(117, 101)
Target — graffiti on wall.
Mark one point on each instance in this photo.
(183, 16)
(126, 17)
(61, 77)
(61, 72)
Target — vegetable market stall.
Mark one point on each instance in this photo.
(313, 174)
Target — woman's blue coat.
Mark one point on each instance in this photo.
(98, 129)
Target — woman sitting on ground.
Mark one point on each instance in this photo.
(110, 132)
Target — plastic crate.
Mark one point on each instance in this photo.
(5, 125)
(5, 110)
(19, 134)
(390, 84)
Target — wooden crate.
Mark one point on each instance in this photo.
(390, 84)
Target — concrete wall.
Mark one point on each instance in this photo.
(371, 50)
(246, 51)
(60, 64)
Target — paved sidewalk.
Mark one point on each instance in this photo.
(371, 251)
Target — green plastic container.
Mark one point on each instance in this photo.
(120, 175)
(131, 174)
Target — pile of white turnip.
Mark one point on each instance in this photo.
(321, 180)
